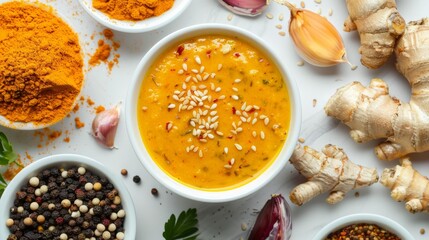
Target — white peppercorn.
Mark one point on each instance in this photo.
(89, 186)
(113, 216)
(112, 227)
(64, 236)
(34, 181)
(83, 209)
(34, 206)
(9, 222)
(101, 227)
(120, 235)
(65, 203)
(81, 170)
(121, 213)
(44, 189)
(106, 235)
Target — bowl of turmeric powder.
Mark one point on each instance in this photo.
(134, 16)
(41, 66)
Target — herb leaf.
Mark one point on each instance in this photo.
(3, 185)
(7, 155)
(184, 228)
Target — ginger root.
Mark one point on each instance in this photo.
(379, 25)
(372, 114)
(407, 185)
(331, 171)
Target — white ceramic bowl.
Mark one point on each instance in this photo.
(139, 147)
(67, 160)
(383, 222)
(148, 24)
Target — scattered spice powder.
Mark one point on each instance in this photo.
(104, 51)
(89, 101)
(132, 10)
(78, 123)
(76, 108)
(14, 169)
(40, 65)
(99, 109)
(66, 139)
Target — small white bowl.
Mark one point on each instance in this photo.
(383, 222)
(67, 160)
(140, 149)
(148, 24)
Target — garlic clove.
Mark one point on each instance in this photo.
(317, 41)
(248, 8)
(104, 126)
(274, 221)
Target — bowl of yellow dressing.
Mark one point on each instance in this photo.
(212, 114)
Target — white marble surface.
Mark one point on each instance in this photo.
(223, 221)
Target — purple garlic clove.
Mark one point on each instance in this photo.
(274, 221)
(248, 8)
(104, 126)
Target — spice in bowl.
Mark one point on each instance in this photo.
(40, 64)
(68, 203)
(132, 10)
(362, 231)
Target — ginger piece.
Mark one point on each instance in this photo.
(407, 185)
(329, 170)
(379, 25)
(372, 114)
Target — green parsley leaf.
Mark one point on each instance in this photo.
(7, 155)
(185, 228)
(3, 185)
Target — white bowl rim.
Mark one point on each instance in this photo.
(137, 26)
(160, 175)
(383, 222)
(69, 159)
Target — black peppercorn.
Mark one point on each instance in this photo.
(154, 191)
(136, 179)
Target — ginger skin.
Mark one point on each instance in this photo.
(329, 170)
(379, 25)
(408, 185)
(372, 114)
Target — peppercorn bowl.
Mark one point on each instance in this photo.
(145, 25)
(178, 147)
(364, 218)
(76, 211)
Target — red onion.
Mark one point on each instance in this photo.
(249, 8)
(274, 221)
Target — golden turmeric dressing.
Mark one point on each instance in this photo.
(213, 112)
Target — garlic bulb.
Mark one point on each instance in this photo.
(317, 41)
(104, 126)
(274, 221)
(249, 8)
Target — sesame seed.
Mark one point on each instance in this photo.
(232, 161)
(187, 149)
(218, 89)
(262, 135)
(192, 123)
(229, 17)
(169, 126)
(206, 76)
(254, 134)
(249, 119)
(202, 69)
(314, 102)
(235, 97)
(317, 1)
(225, 150)
(238, 112)
(302, 4)
(213, 106)
(199, 78)
(194, 70)
(195, 79)
(190, 107)
(300, 63)
(243, 107)
(211, 136)
(144, 108)
(237, 80)
(281, 17)
(184, 86)
(239, 129)
(175, 97)
(301, 140)
(221, 97)
(227, 166)
(185, 66)
(262, 117)
(219, 67)
(212, 113)
(233, 132)
(202, 86)
(203, 140)
(266, 121)
(171, 106)
(256, 107)
(195, 149)
(243, 119)
(180, 71)
(254, 121)
(269, 16)
(215, 118)
(238, 146)
(319, 11)
(198, 60)
(330, 12)
(188, 79)
(279, 26)
(200, 153)
(245, 114)
(275, 126)
(213, 75)
(253, 147)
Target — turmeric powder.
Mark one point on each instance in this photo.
(40, 64)
(132, 10)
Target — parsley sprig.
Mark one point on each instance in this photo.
(185, 228)
(7, 156)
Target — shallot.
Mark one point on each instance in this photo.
(248, 8)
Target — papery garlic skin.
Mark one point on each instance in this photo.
(248, 8)
(104, 126)
(317, 41)
(274, 221)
